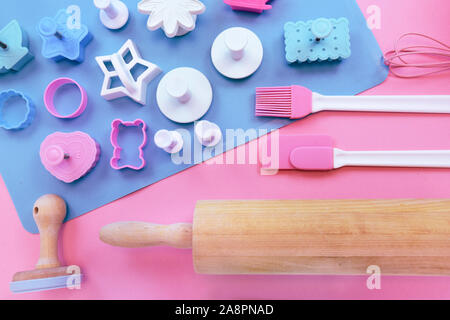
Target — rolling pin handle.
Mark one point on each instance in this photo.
(141, 234)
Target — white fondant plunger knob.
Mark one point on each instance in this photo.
(169, 141)
(184, 95)
(236, 42)
(178, 88)
(208, 133)
(237, 53)
(113, 13)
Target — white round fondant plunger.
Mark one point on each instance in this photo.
(237, 53)
(113, 13)
(169, 141)
(184, 95)
(208, 133)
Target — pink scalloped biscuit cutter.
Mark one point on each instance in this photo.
(118, 149)
(69, 156)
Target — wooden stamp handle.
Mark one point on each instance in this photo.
(141, 234)
(49, 212)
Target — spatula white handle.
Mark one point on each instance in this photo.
(416, 104)
(423, 158)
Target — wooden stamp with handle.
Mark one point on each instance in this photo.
(49, 212)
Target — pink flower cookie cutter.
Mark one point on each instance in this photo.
(115, 125)
(49, 95)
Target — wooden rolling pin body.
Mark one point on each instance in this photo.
(408, 237)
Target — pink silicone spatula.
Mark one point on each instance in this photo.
(297, 102)
(316, 152)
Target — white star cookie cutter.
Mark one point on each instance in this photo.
(115, 66)
(175, 17)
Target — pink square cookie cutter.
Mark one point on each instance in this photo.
(115, 125)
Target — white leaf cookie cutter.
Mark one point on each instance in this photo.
(175, 17)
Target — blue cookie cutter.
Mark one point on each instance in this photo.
(60, 41)
(317, 40)
(36, 285)
(29, 114)
(14, 52)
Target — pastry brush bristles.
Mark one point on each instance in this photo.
(274, 102)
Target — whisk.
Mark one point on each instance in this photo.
(436, 58)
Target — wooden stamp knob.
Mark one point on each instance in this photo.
(49, 212)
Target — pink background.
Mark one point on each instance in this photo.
(165, 273)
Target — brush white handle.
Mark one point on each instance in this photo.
(422, 158)
(415, 104)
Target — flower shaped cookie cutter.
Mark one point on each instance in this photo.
(175, 17)
(29, 113)
(115, 126)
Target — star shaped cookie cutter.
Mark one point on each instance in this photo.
(59, 41)
(115, 66)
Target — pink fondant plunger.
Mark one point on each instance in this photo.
(69, 156)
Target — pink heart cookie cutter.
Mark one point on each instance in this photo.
(69, 156)
(115, 125)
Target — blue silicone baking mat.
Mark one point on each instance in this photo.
(233, 102)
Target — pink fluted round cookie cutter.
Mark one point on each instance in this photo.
(49, 94)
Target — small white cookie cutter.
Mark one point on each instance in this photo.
(113, 13)
(184, 95)
(175, 17)
(237, 53)
(208, 133)
(135, 89)
(169, 141)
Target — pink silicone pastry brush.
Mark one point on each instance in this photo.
(297, 102)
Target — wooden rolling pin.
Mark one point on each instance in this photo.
(406, 237)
